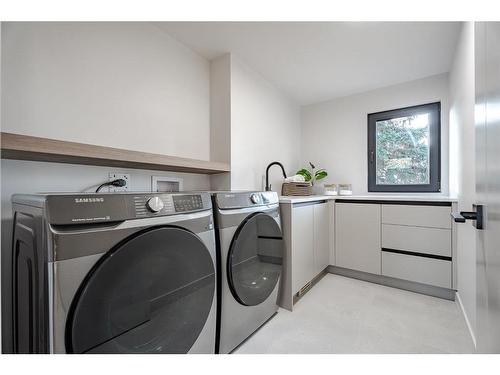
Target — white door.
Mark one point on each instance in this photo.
(487, 132)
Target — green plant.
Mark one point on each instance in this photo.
(311, 175)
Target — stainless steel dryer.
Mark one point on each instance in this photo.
(250, 255)
(114, 273)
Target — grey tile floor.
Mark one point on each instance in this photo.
(343, 315)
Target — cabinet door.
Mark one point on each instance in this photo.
(357, 236)
(302, 246)
(321, 236)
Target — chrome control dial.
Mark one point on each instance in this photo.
(255, 198)
(155, 204)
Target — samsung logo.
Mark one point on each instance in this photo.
(89, 200)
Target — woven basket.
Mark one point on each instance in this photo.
(296, 188)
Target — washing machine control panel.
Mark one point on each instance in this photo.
(184, 203)
(169, 204)
(89, 208)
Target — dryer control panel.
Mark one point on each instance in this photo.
(87, 208)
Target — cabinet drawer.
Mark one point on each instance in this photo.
(429, 271)
(422, 216)
(417, 239)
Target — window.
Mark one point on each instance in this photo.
(404, 149)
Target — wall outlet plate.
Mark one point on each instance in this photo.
(114, 176)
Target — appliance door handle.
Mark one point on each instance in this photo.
(476, 216)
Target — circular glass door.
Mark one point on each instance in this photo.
(255, 259)
(150, 294)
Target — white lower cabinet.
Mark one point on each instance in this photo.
(322, 236)
(410, 242)
(310, 242)
(303, 267)
(307, 230)
(357, 237)
(407, 242)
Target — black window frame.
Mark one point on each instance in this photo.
(434, 185)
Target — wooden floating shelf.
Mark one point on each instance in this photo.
(25, 147)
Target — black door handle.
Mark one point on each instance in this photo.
(457, 217)
(476, 216)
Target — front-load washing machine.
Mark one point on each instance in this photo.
(114, 273)
(250, 256)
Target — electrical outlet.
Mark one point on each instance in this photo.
(114, 176)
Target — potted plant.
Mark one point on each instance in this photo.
(312, 175)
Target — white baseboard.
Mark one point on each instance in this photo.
(469, 326)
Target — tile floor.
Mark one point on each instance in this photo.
(343, 315)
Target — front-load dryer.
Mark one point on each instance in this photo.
(114, 273)
(250, 256)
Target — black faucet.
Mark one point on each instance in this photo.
(268, 187)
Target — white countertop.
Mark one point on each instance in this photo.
(307, 198)
(376, 197)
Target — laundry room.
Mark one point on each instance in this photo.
(249, 186)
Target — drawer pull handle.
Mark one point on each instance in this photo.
(413, 253)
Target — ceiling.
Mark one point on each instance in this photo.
(318, 61)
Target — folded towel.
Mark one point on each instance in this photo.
(296, 178)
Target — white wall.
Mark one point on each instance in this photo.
(220, 118)
(334, 133)
(265, 127)
(126, 85)
(462, 165)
